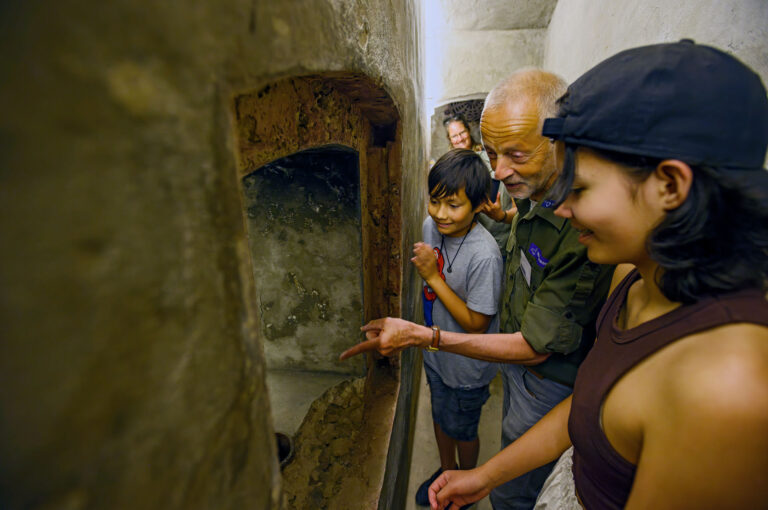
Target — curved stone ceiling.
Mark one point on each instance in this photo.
(497, 14)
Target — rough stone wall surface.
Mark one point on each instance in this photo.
(130, 375)
(584, 32)
(497, 14)
(304, 231)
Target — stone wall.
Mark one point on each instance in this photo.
(131, 368)
(473, 61)
(584, 32)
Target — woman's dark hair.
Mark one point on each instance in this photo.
(460, 168)
(715, 242)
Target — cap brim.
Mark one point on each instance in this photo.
(553, 127)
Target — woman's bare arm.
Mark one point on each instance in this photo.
(541, 444)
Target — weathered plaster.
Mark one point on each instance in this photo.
(131, 370)
(584, 32)
(471, 62)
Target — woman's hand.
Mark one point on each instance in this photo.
(458, 487)
(425, 261)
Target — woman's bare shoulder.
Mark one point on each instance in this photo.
(706, 414)
(722, 369)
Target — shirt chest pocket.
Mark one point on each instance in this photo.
(532, 266)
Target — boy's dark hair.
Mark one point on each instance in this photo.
(460, 168)
(715, 242)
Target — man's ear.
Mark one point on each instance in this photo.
(675, 178)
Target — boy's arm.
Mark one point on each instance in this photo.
(470, 320)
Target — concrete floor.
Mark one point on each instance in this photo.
(291, 392)
(425, 460)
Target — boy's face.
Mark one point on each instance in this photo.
(452, 213)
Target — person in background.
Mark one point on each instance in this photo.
(670, 408)
(459, 135)
(462, 270)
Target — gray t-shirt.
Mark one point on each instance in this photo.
(476, 277)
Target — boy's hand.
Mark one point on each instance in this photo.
(457, 487)
(425, 261)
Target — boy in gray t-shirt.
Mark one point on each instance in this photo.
(462, 269)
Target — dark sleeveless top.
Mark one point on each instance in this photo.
(604, 478)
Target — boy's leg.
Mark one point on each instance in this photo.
(439, 399)
(468, 453)
(446, 446)
(466, 407)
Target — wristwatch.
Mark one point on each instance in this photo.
(435, 339)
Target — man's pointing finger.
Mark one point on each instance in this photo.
(367, 345)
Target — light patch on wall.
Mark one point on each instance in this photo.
(434, 30)
(282, 28)
(141, 89)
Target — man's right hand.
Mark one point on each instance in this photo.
(389, 336)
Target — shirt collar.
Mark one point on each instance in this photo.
(546, 213)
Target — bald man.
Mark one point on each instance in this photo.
(553, 292)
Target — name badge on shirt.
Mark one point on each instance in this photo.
(525, 267)
(536, 252)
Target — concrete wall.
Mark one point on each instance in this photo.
(304, 233)
(471, 62)
(131, 373)
(584, 32)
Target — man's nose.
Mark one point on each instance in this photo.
(504, 168)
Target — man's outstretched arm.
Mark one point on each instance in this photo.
(390, 335)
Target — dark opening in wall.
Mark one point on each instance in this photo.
(304, 228)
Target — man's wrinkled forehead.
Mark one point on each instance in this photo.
(518, 119)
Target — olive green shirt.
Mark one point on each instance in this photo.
(553, 292)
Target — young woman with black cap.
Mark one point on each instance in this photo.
(662, 149)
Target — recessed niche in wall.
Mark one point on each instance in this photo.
(303, 216)
(319, 157)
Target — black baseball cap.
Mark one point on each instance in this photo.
(677, 100)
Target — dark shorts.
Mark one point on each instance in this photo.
(456, 411)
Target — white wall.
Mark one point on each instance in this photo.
(584, 32)
(472, 62)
